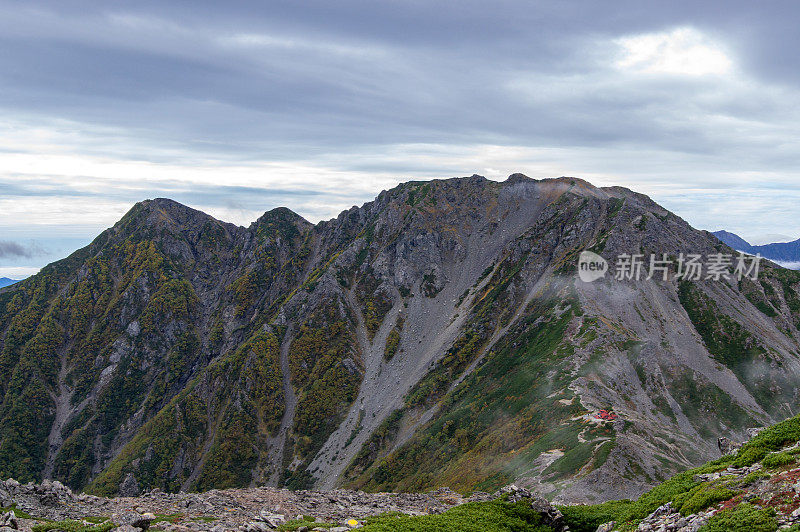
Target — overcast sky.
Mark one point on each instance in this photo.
(238, 107)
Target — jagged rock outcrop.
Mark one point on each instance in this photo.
(726, 446)
(551, 516)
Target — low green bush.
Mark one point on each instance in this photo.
(702, 497)
(779, 459)
(586, 518)
(494, 516)
(743, 518)
(770, 440)
(18, 513)
(70, 525)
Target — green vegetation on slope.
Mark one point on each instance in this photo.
(76, 329)
(688, 493)
(326, 372)
(241, 394)
(500, 417)
(70, 525)
(730, 344)
(744, 518)
(393, 340)
(494, 516)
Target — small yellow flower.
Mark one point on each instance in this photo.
(352, 523)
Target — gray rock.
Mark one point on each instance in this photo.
(5, 497)
(143, 522)
(257, 526)
(129, 486)
(551, 516)
(9, 520)
(727, 446)
(139, 521)
(273, 520)
(133, 328)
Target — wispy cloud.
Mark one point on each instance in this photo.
(10, 249)
(18, 272)
(790, 265)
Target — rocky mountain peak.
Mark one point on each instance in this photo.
(169, 209)
(281, 214)
(517, 178)
(163, 216)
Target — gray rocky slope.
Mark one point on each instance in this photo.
(437, 336)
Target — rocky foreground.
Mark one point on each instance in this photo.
(31, 506)
(764, 496)
(754, 486)
(232, 509)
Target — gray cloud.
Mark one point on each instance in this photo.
(285, 80)
(9, 249)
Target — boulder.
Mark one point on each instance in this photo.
(256, 526)
(551, 516)
(129, 487)
(9, 520)
(727, 446)
(273, 520)
(143, 522)
(134, 520)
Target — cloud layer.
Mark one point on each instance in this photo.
(236, 108)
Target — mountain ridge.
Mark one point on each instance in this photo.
(5, 281)
(195, 353)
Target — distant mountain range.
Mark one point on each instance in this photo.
(780, 252)
(5, 281)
